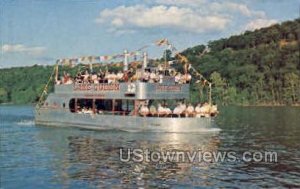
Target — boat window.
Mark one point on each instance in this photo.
(72, 105)
(128, 105)
(103, 105)
(64, 105)
(84, 105)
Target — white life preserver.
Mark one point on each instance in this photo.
(131, 88)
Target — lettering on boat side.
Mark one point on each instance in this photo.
(96, 87)
(168, 88)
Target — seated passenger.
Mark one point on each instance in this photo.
(161, 78)
(152, 77)
(188, 78)
(144, 110)
(153, 110)
(198, 110)
(94, 78)
(120, 76)
(177, 78)
(214, 110)
(205, 110)
(167, 110)
(183, 106)
(146, 76)
(160, 110)
(86, 77)
(178, 110)
(58, 82)
(190, 110)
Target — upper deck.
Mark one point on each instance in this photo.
(127, 90)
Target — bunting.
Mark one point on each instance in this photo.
(162, 42)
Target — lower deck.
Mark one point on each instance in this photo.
(64, 118)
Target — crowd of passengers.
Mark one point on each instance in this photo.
(116, 77)
(181, 110)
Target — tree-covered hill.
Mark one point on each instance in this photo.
(259, 67)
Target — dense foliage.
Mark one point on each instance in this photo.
(259, 67)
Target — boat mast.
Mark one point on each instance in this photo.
(125, 60)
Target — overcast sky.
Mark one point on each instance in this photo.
(40, 31)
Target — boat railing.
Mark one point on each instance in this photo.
(161, 115)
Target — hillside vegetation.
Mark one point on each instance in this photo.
(259, 67)
(255, 68)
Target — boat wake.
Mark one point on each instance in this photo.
(200, 130)
(26, 122)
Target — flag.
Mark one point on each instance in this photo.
(162, 42)
(171, 47)
(103, 58)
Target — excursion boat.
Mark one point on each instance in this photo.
(117, 105)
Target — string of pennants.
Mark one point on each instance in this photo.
(93, 59)
(105, 58)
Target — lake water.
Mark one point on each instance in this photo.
(50, 157)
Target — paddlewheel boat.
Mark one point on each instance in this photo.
(131, 103)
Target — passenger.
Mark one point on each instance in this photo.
(160, 110)
(68, 79)
(120, 76)
(58, 82)
(177, 78)
(86, 77)
(89, 111)
(108, 77)
(161, 78)
(153, 110)
(205, 110)
(198, 110)
(183, 106)
(152, 77)
(178, 110)
(188, 78)
(144, 110)
(84, 110)
(214, 110)
(167, 110)
(183, 79)
(146, 76)
(94, 78)
(190, 110)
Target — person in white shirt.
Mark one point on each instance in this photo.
(146, 76)
(198, 110)
(120, 76)
(144, 110)
(177, 78)
(86, 77)
(161, 78)
(152, 77)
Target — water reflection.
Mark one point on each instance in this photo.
(95, 157)
(48, 157)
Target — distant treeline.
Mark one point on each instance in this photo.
(256, 68)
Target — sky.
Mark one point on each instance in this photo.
(41, 31)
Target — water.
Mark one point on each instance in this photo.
(48, 157)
